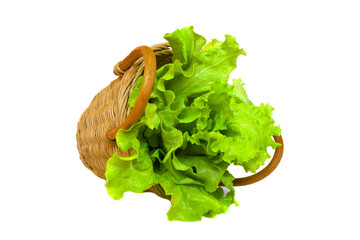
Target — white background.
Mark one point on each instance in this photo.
(302, 58)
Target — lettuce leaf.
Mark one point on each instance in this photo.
(194, 126)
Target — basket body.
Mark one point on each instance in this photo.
(109, 109)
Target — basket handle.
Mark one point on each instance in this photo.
(145, 89)
(267, 170)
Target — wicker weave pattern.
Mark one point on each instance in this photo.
(109, 109)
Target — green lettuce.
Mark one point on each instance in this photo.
(195, 125)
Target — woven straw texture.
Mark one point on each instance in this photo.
(109, 109)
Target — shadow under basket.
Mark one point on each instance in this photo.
(109, 111)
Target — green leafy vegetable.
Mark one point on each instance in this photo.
(194, 126)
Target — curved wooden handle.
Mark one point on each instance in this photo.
(267, 170)
(145, 89)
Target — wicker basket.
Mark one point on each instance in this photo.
(109, 111)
